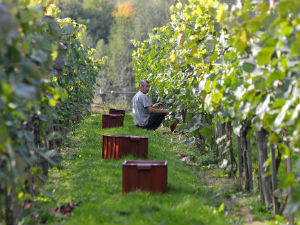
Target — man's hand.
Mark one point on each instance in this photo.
(159, 104)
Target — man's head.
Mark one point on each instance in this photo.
(144, 86)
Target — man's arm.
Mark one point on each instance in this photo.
(153, 110)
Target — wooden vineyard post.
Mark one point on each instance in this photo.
(266, 184)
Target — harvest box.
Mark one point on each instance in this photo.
(149, 176)
(112, 120)
(116, 111)
(116, 146)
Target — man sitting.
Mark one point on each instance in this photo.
(146, 115)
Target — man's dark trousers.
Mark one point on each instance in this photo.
(154, 121)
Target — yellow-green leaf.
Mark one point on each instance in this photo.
(52, 102)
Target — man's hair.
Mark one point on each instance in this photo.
(142, 82)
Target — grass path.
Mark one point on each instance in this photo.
(97, 183)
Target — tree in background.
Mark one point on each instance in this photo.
(118, 73)
(95, 14)
(150, 14)
(133, 20)
(111, 25)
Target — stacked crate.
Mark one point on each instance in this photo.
(115, 118)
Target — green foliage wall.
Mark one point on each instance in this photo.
(238, 64)
(47, 80)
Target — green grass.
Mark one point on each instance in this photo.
(85, 177)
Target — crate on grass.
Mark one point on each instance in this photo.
(112, 120)
(150, 176)
(116, 111)
(117, 146)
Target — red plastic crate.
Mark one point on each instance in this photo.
(149, 176)
(116, 146)
(116, 111)
(112, 120)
